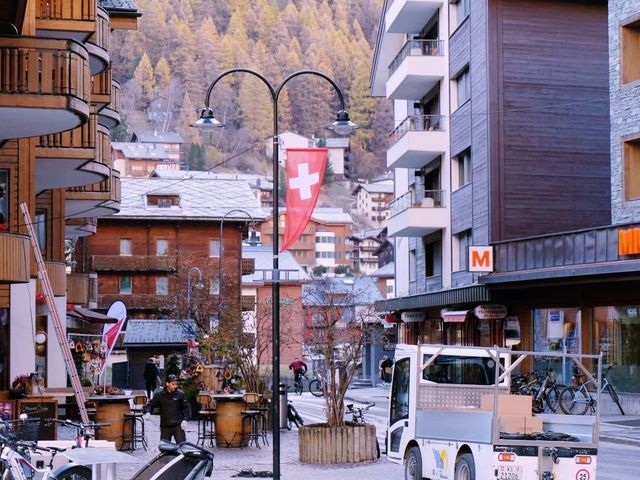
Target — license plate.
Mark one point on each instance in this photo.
(509, 472)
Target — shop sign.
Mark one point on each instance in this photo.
(408, 317)
(490, 312)
(283, 301)
(629, 241)
(480, 258)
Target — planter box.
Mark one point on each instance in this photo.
(327, 445)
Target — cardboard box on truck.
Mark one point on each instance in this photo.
(508, 404)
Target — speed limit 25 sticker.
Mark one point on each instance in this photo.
(583, 475)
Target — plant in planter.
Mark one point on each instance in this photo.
(20, 387)
(339, 322)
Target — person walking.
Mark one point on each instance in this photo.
(299, 368)
(151, 374)
(174, 410)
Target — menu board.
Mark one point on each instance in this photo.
(43, 408)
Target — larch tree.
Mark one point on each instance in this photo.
(145, 76)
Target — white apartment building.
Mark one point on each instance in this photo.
(372, 201)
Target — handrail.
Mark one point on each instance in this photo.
(431, 199)
(82, 10)
(417, 47)
(417, 123)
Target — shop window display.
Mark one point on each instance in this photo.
(617, 335)
(557, 330)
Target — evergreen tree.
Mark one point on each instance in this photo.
(144, 75)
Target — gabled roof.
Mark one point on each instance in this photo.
(261, 182)
(362, 234)
(340, 291)
(380, 187)
(199, 199)
(290, 269)
(157, 137)
(324, 215)
(118, 5)
(386, 271)
(141, 150)
(158, 332)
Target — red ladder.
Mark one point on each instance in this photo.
(59, 328)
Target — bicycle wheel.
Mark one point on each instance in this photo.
(315, 387)
(76, 472)
(615, 398)
(574, 402)
(552, 398)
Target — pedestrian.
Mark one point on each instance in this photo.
(299, 368)
(174, 410)
(150, 375)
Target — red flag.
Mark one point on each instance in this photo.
(305, 174)
(110, 332)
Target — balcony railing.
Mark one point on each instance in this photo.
(248, 266)
(432, 199)
(82, 289)
(417, 123)
(82, 137)
(56, 271)
(264, 275)
(101, 37)
(14, 258)
(142, 263)
(44, 66)
(417, 47)
(66, 10)
(101, 88)
(139, 301)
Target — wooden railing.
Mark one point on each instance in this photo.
(142, 263)
(116, 96)
(82, 137)
(82, 289)
(139, 301)
(14, 258)
(101, 86)
(102, 36)
(103, 146)
(82, 10)
(44, 66)
(57, 273)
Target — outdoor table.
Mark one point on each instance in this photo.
(229, 429)
(111, 409)
(102, 461)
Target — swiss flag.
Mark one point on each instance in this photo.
(305, 174)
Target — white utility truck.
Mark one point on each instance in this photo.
(451, 416)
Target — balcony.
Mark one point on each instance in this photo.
(95, 200)
(109, 115)
(15, 256)
(70, 159)
(411, 217)
(44, 86)
(418, 67)
(137, 263)
(57, 273)
(139, 301)
(408, 16)
(98, 43)
(82, 289)
(417, 141)
(248, 266)
(80, 227)
(101, 89)
(66, 18)
(248, 303)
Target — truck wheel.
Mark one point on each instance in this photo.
(413, 465)
(465, 467)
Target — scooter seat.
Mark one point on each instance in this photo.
(168, 447)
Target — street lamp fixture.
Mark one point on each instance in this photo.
(198, 285)
(341, 126)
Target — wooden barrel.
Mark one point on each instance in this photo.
(229, 431)
(111, 412)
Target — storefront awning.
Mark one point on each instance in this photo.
(90, 316)
(456, 316)
(443, 298)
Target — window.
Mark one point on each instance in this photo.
(462, 165)
(400, 392)
(460, 370)
(214, 286)
(214, 248)
(125, 246)
(462, 87)
(162, 247)
(631, 174)
(214, 322)
(41, 228)
(630, 51)
(125, 286)
(4, 199)
(460, 254)
(432, 260)
(162, 286)
(412, 265)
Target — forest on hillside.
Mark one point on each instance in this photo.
(180, 46)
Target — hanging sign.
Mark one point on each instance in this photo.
(490, 312)
(480, 258)
(416, 316)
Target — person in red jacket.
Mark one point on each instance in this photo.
(299, 368)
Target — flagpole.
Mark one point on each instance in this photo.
(342, 126)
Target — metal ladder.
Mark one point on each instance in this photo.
(59, 328)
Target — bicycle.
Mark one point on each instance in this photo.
(15, 458)
(357, 416)
(545, 392)
(576, 400)
(84, 431)
(293, 417)
(315, 385)
(298, 383)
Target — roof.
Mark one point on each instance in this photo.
(362, 234)
(119, 5)
(290, 269)
(324, 215)
(199, 199)
(351, 291)
(158, 332)
(386, 271)
(261, 182)
(379, 187)
(141, 150)
(90, 316)
(157, 137)
(337, 142)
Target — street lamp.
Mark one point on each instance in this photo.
(198, 285)
(342, 126)
(252, 240)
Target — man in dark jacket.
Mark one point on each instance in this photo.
(174, 410)
(150, 375)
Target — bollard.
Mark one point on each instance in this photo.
(283, 406)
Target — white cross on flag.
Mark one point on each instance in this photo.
(305, 174)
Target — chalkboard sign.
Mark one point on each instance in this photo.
(44, 409)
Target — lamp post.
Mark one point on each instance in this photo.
(198, 285)
(253, 240)
(342, 126)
